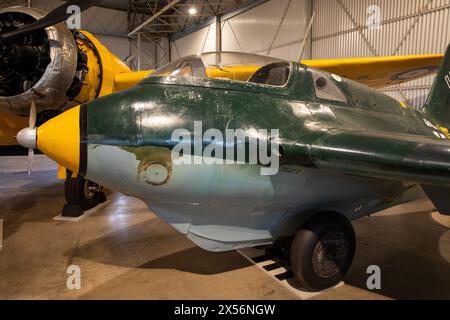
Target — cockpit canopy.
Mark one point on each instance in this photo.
(231, 66)
(271, 75)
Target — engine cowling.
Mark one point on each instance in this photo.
(58, 68)
(40, 66)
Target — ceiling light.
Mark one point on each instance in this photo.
(192, 11)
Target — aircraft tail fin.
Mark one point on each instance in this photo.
(438, 102)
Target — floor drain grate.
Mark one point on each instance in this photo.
(277, 271)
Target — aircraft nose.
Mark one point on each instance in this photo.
(59, 139)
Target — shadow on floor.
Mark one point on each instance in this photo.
(413, 252)
(155, 245)
(199, 261)
(411, 249)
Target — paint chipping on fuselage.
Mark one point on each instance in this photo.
(151, 156)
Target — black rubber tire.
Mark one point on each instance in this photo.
(311, 244)
(75, 195)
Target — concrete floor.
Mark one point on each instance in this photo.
(125, 252)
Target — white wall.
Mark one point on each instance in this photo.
(203, 40)
(255, 31)
(163, 52)
(339, 31)
(407, 27)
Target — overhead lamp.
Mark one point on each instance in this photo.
(192, 11)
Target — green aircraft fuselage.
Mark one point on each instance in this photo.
(356, 153)
(302, 118)
(224, 104)
(234, 164)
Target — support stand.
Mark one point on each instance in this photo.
(75, 210)
(72, 211)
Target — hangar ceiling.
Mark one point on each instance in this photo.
(170, 16)
(173, 16)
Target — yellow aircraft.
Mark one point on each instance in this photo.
(45, 69)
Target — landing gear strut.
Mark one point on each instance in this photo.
(81, 195)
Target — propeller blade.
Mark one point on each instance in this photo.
(32, 119)
(54, 17)
(30, 160)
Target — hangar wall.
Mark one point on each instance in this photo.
(275, 28)
(406, 27)
(340, 29)
(202, 40)
(163, 52)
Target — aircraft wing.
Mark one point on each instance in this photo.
(374, 72)
(126, 80)
(383, 71)
(388, 156)
(381, 155)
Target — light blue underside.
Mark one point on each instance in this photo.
(225, 207)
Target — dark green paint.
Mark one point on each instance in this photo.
(372, 135)
(437, 106)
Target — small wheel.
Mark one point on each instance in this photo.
(322, 251)
(84, 193)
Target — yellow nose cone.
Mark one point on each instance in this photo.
(59, 139)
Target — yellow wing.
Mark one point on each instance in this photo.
(381, 72)
(374, 72)
(123, 81)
